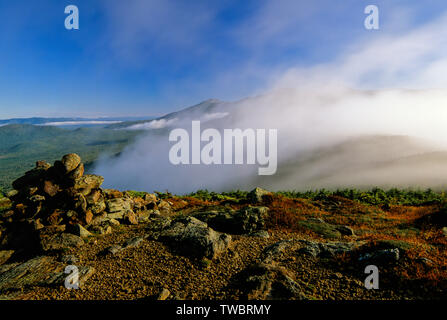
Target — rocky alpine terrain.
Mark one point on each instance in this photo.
(263, 245)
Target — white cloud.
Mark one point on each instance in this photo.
(154, 124)
(73, 123)
(321, 106)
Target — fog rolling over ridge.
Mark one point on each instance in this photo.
(375, 116)
(326, 139)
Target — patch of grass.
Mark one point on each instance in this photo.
(136, 194)
(375, 196)
(206, 195)
(325, 230)
(399, 244)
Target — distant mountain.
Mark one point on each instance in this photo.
(22, 144)
(70, 121)
(321, 144)
(207, 110)
(363, 162)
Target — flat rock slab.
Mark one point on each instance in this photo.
(266, 281)
(310, 248)
(61, 241)
(130, 243)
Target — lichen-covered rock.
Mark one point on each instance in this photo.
(164, 208)
(245, 220)
(130, 217)
(39, 271)
(61, 241)
(257, 195)
(266, 281)
(70, 162)
(80, 231)
(193, 237)
(98, 207)
(118, 205)
(112, 193)
(251, 219)
(77, 173)
(88, 182)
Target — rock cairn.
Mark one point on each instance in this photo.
(61, 197)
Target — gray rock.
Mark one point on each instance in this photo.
(113, 249)
(164, 208)
(345, 230)
(193, 237)
(311, 249)
(328, 249)
(158, 223)
(39, 271)
(269, 282)
(257, 194)
(117, 215)
(61, 241)
(118, 205)
(272, 252)
(58, 278)
(381, 256)
(251, 219)
(80, 231)
(69, 259)
(260, 234)
(87, 183)
(70, 162)
(164, 294)
(133, 242)
(246, 220)
(129, 243)
(31, 272)
(98, 207)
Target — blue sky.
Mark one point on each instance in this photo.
(147, 57)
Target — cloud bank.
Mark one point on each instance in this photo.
(374, 116)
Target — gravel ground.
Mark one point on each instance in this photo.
(142, 272)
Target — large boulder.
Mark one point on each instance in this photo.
(251, 219)
(87, 183)
(245, 220)
(193, 237)
(118, 205)
(71, 161)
